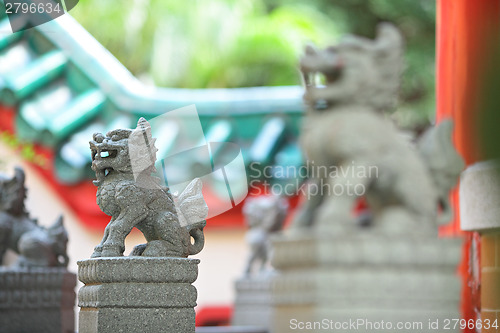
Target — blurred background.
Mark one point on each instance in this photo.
(228, 44)
(224, 48)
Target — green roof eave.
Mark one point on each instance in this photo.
(129, 94)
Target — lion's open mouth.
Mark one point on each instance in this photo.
(102, 173)
(107, 171)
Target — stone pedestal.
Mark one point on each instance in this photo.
(480, 212)
(364, 276)
(137, 294)
(252, 306)
(37, 300)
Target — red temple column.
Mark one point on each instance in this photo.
(467, 35)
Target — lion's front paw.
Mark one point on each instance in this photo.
(111, 251)
(97, 252)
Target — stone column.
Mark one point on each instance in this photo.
(480, 211)
(365, 277)
(137, 294)
(252, 306)
(37, 300)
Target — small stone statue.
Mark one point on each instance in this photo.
(345, 132)
(151, 289)
(124, 161)
(264, 215)
(37, 246)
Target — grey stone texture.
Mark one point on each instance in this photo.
(346, 130)
(151, 290)
(364, 276)
(37, 300)
(264, 216)
(124, 163)
(37, 292)
(137, 294)
(480, 197)
(253, 303)
(36, 245)
(392, 266)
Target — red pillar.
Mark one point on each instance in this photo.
(467, 31)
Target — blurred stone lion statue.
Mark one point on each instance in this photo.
(346, 133)
(36, 245)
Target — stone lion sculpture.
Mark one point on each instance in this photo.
(345, 131)
(264, 216)
(124, 163)
(36, 245)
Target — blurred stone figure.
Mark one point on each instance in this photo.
(36, 245)
(39, 279)
(395, 269)
(264, 215)
(346, 130)
(443, 164)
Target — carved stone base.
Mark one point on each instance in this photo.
(137, 294)
(252, 306)
(37, 300)
(365, 276)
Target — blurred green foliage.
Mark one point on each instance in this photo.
(241, 43)
(26, 150)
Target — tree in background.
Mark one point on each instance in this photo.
(242, 43)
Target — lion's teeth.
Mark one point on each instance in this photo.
(106, 172)
(104, 153)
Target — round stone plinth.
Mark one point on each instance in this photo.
(480, 197)
(138, 269)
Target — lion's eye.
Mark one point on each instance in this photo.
(115, 138)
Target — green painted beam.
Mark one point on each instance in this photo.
(220, 131)
(289, 168)
(114, 88)
(79, 112)
(20, 84)
(7, 39)
(39, 109)
(50, 126)
(216, 137)
(73, 160)
(268, 141)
